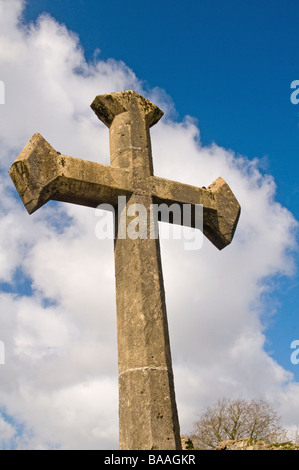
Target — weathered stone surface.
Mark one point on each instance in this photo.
(221, 225)
(106, 107)
(41, 174)
(147, 407)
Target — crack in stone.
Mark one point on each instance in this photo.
(157, 305)
(126, 263)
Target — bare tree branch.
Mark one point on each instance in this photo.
(236, 419)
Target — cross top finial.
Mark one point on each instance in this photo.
(106, 107)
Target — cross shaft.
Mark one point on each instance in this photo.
(147, 408)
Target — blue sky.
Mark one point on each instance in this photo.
(222, 72)
(228, 64)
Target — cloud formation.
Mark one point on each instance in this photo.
(57, 304)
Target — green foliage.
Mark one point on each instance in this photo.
(283, 444)
(189, 444)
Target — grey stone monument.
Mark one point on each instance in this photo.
(148, 416)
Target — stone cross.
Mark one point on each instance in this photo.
(148, 416)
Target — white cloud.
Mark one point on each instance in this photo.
(60, 378)
(7, 432)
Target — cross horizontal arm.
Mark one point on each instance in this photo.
(172, 192)
(41, 174)
(221, 209)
